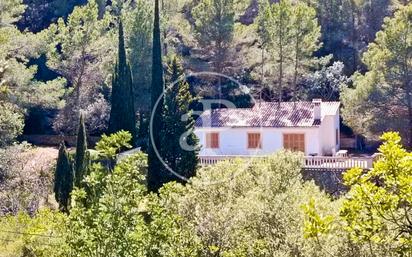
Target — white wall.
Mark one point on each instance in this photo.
(233, 141)
(337, 126)
(327, 135)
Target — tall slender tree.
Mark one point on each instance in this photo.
(122, 115)
(155, 173)
(179, 144)
(81, 148)
(275, 30)
(140, 27)
(63, 179)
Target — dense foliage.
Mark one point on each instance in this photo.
(11, 120)
(379, 205)
(290, 50)
(23, 235)
(258, 207)
(81, 50)
(214, 30)
(382, 97)
(374, 215)
(156, 175)
(63, 179)
(179, 148)
(289, 34)
(122, 113)
(20, 90)
(81, 157)
(139, 29)
(59, 73)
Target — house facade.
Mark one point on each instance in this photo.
(309, 127)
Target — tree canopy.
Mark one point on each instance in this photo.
(112, 61)
(381, 99)
(289, 34)
(374, 215)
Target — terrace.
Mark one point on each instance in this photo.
(309, 162)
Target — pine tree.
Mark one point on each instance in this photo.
(122, 115)
(81, 148)
(289, 33)
(177, 103)
(381, 99)
(155, 173)
(63, 179)
(214, 30)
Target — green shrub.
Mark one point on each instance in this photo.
(39, 236)
(11, 123)
(248, 208)
(373, 218)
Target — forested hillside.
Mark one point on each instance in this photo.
(57, 57)
(110, 84)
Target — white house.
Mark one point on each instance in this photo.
(310, 127)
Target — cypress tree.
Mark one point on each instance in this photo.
(177, 104)
(63, 179)
(156, 175)
(122, 114)
(81, 148)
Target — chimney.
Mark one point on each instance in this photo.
(317, 110)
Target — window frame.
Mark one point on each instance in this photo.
(210, 141)
(259, 145)
(294, 134)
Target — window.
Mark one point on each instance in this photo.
(253, 140)
(212, 140)
(294, 142)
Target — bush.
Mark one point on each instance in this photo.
(23, 187)
(235, 208)
(40, 236)
(242, 208)
(11, 123)
(373, 218)
(257, 207)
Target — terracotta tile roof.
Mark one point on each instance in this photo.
(267, 114)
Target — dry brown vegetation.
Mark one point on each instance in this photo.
(26, 177)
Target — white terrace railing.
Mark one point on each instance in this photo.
(315, 162)
(335, 162)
